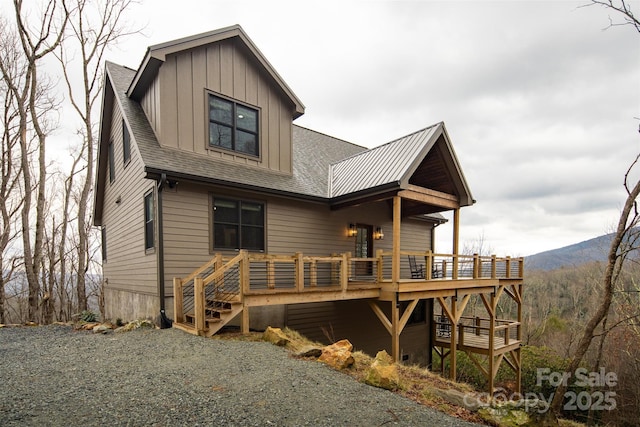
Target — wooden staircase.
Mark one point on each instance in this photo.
(209, 298)
(218, 313)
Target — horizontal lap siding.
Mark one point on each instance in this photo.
(128, 267)
(225, 68)
(355, 321)
(186, 231)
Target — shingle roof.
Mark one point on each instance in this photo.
(324, 167)
(313, 153)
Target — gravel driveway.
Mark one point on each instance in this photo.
(54, 376)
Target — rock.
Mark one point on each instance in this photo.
(88, 326)
(275, 336)
(31, 324)
(101, 329)
(2, 325)
(521, 413)
(383, 372)
(464, 400)
(309, 351)
(338, 355)
(136, 324)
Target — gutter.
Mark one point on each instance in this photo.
(163, 321)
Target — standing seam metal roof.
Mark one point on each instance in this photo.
(385, 164)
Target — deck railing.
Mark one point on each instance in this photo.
(246, 274)
(454, 267)
(506, 330)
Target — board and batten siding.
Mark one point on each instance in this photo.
(128, 266)
(176, 103)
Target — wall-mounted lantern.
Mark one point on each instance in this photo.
(378, 234)
(352, 230)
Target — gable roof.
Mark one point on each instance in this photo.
(394, 164)
(325, 169)
(157, 54)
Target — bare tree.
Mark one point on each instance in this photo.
(95, 27)
(10, 168)
(625, 238)
(33, 104)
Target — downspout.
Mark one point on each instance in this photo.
(164, 322)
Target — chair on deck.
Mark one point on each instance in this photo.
(417, 271)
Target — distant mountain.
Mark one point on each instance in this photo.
(570, 256)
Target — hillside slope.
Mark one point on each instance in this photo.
(569, 256)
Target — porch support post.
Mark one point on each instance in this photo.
(456, 231)
(395, 328)
(456, 242)
(453, 344)
(395, 257)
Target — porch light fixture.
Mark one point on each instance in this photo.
(378, 234)
(352, 231)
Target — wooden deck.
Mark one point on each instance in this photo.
(222, 289)
(478, 344)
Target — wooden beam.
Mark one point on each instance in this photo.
(456, 233)
(395, 257)
(407, 313)
(178, 305)
(383, 317)
(395, 330)
(198, 304)
(430, 197)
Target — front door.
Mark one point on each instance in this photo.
(364, 249)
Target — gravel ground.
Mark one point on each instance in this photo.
(54, 376)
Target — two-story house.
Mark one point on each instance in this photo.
(215, 208)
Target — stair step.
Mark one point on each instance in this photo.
(191, 319)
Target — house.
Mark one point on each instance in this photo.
(216, 208)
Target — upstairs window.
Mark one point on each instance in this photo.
(126, 144)
(238, 224)
(112, 165)
(233, 126)
(149, 222)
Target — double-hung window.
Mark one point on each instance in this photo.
(238, 224)
(149, 222)
(233, 126)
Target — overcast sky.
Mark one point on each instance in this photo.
(541, 103)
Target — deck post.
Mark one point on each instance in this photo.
(198, 304)
(476, 266)
(344, 272)
(493, 267)
(428, 258)
(178, 306)
(395, 328)
(244, 321)
(456, 241)
(492, 331)
(452, 347)
(379, 265)
(395, 257)
(299, 271)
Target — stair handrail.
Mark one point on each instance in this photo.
(202, 268)
(220, 271)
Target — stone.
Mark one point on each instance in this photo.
(338, 355)
(309, 351)
(383, 373)
(101, 329)
(521, 413)
(275, 336)
(468, 401)
(2, 325)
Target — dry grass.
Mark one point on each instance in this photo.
(416, 383)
